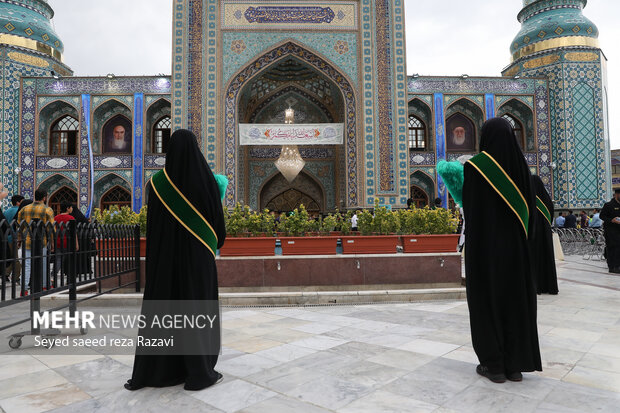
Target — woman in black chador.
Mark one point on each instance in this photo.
(543, 257)
(499, 208)
(179, 266)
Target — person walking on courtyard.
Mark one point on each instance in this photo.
(185, 226)
(610, 214)
(560, 220)
(501, 295)
(543, 257)
(10, 214)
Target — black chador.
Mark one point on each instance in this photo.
(610, 214)
(179, 265)
(498, 204)
(543, 257)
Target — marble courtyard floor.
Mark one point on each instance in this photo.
(413, 357)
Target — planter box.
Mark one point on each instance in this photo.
(249, 247)
(430, 243)
(370, 244)
(311, 245)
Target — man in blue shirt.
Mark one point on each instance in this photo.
(10, 214)
(596, 221)
(559, 221)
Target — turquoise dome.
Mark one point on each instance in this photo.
(544, 20)
(26, 23)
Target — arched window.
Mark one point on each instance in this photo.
(64, 194)
(518, 128)
(161, 135)
(417, 134)
(116, 196)
(420, 199)
(63, 136)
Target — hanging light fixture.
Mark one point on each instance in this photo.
(290, 162)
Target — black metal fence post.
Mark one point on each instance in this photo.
(136, 233)
(72, 258)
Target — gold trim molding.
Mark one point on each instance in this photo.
(555, 43)
(541, 61)
(581, 57)
(28, 59)
(18, 41)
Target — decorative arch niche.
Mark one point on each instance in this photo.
(424, 182)
(464, 121)
(422, 111)
(102, 115)
(154, 114)
(232, 116)
(524, 117)
(277, 192)
(47, 117)
(107, 182)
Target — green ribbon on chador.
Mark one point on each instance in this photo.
(183, 210)
(540, 205)
(499, 180)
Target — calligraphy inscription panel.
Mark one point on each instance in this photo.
(338, 15)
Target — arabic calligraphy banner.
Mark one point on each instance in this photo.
(297, 134)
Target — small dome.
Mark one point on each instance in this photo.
(544, 20)
(30, 21)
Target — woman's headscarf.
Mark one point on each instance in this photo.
(189, 171)
(498, 140)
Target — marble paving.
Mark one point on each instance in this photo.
(405, 357)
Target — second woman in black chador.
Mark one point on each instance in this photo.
(501, 294)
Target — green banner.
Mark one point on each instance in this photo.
(183, 210)
(503, 185)
(540, 205)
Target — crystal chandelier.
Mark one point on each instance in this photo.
(290, 162)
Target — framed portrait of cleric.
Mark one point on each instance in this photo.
(460, 134)
(116, 135)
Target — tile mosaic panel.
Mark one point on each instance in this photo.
(210, 80)
(57, 162)
(86, 180)
(99, 85)
(125, 174)
(470, 85)
(584, 122)
(112, 162)
(257, 43)
(179, 72)
(71, 176)
(155, 161)
(266, 152)
(421, 158)
(43, 101)
(138, 151)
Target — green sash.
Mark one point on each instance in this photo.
(183, 211)
(540, 205)
(503, 185)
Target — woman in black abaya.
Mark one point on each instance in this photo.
(501, 294)
(543, 257)
(179, 266)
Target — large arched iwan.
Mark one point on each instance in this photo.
(257, 66)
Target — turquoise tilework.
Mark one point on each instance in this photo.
(584, 123)
(257, 43)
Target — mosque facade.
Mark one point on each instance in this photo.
(238, 63)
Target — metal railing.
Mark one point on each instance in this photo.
(37, 260)
(588, 242)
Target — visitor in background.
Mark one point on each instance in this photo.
(583, 219)
(543, 257)
(596, 221)
(39, 211)
(560, 220)
(10, 214)
(180, 262)
(501, 294)
(409, 203)
(437, 203)
(570, 221)
(62, 246)
(354, 222)
(4, 227)
(610, 214)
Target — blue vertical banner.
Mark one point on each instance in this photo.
(86, 177)
(138, 149)
(489, 104)
(440, 144)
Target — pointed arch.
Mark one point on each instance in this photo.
(424, 181)
(523, 116)
(305, 183)
(258, 65)
(105, 183)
